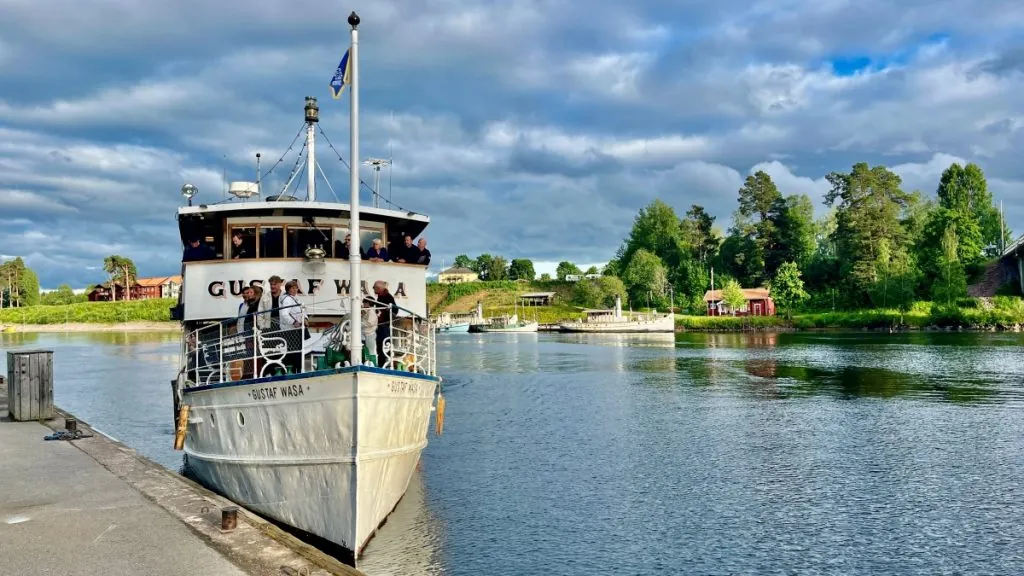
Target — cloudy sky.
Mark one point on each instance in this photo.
(524, 128)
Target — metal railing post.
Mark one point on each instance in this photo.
(220, 349)
(196, 345)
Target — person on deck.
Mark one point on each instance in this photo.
(376, 253)
(196, 251)
(406, 253)
(369, 328)
(285, 321)
(238, 247)
(384, 316)
(422, 255)
(246, 320)
(342, 250)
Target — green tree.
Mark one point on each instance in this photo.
(565, 269)
(599, 292)
(62, 296)
(497, 269)
(482, 265)
(963, 191)
(592, 270)
(760, 203)
(19, 285)
(698, 232)
(787, 288)
(870, 203)
(464, 261)
(521, 269)
(545, 277)
(794, 229)
(732, 295)
(657, 230)
(738, 256)
(952, 282)
(122, 271)
(645, 278)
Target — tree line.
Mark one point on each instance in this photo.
(496, 268)
(876, 246)
(19, 284)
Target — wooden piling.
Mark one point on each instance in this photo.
(30, 384)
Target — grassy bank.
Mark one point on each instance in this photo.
(493, 295)
(157, 310)
(1000, 313)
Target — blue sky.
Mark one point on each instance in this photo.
(523, 128)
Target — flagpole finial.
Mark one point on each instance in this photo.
(353, 19)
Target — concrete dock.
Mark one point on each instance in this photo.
(94, 507)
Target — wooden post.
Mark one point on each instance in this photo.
(30, 384)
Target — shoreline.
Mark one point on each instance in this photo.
(141, 326)
(175, 327)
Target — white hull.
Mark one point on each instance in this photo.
(528, 327)
(327, 452)
(664, 323)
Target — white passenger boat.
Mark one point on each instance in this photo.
(277, 414)
(614, 321)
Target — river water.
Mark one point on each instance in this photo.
(806, 453)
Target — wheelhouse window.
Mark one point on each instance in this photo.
(290, 240)
(271, 241)
(302, 237)
(368, 231)
(242, 243)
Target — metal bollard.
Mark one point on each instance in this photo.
(229, 518)
(71, 425)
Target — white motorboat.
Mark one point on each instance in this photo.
(276, 411)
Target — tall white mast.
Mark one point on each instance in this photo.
(312, 117)
(356, 286)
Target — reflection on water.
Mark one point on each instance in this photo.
(650, 454)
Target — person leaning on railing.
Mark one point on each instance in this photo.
(286, 320)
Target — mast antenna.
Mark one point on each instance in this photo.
(377, 163)
(258, 189)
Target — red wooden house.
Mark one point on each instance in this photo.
(759, 303)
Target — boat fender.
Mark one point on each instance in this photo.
(179, 434)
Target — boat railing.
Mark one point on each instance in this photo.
(270, 343)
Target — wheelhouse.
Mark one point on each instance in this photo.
(244, 243)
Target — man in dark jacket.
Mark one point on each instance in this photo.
(384, 316)
(422, 255)
(196, 251)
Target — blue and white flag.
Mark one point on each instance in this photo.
(342, 76)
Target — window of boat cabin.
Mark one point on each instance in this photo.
(302, 237)
(246, 235)
(285, 239)
(368, 231)
(271, 242)
(210, 240)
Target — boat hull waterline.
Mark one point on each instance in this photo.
(328, 452)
